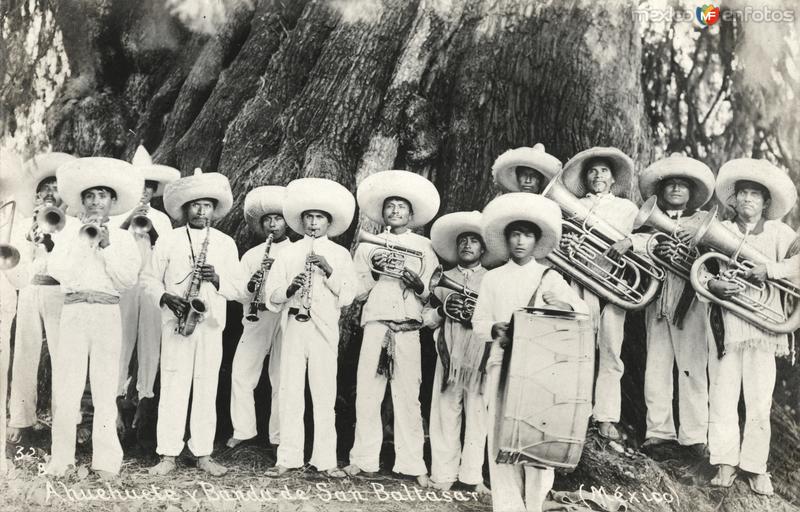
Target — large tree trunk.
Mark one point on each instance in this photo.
(341, 90)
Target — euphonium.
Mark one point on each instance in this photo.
(735, 257)
(256, 303)
(196, 310)
(470, 296)
(141, 224)
(400, 258)
(630, 283)
(9, 255)
(304, 310)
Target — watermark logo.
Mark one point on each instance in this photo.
(707, 15)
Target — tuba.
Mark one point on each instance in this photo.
(630, 283)
(679, 256)
(304, 310)
(9, 255)
(256, 304)
(196, 310)
(470, 296)
(400, 258)
(733, 252)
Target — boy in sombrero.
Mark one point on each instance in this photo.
(518, 229)
(263, 212)
(525, 169)
(92, 275)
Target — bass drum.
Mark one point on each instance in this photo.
(547, 389)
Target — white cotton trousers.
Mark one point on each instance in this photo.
(189, 364)
(38, 314)
(90, 336)
(370, 390)
(304, 346)
(668, 345)
(141, 328)
(607, 391)
(515, 487)
(258, 339)
(751, 371)
(449, 461)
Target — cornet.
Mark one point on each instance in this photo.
(470, 296)
(90, 231)
(141, 224)
(9, 255)
(399, 258)
(48, 219)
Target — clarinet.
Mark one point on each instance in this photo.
(304, 310)
(197, 307)
(256, 304)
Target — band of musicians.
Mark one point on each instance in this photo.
(527, 302)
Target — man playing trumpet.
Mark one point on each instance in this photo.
(396, 285)
(192, 263)
(263, 211)
(676, 322)
(458, 379)
(310, 283)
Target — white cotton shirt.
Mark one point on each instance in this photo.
(617, 211)
(251, 262)
(161, 224)
(33, 258)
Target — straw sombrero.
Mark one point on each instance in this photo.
(163, 174)
(679, 166)
(211, 185)
(622, 168)
(447, 228)
(34, 171)
(504, 168)
(321, 194)
(519, 206)
(781, 188)
(420, 192)
(80, 174)
(262, 201)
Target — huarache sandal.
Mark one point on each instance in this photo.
(277, 471)
(726, 474)
(335, 473)
(761, 484)
(608, 430)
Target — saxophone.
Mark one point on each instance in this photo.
(256, 304)
(197, 307)
(304, 310)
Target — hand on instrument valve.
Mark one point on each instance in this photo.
(454, 305)
(569, 242)
(103, 239)
(175, 304)
(254, 279)
(501, 335)
(321, 262)
(723, 289)
(758, 273)
(297, 283)
(412, 281)
(619, 248)
(553, 303)
(684, 235)
(207, 273)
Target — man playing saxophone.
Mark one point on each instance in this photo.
(261, 336)
(193, 259)
(761, 194)
(676, 322)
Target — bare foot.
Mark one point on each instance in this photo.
(14, 435)
(482, 489)
(232, 442)
(443, 486)
(165, 467)
(207, 464)
(336, 473)
(725, 476)
(54, 470)
(609, 431)
(106, 476)
(352, 470)
(423, 481)
(276, 471)
(761, 484)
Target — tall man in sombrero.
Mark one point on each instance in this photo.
(458, 378)
(141, 317)
(677, 325)
(761, 194)
(525, 169)
(263, 211)
(93, 270)
(40, 297)
(309, 284)
(601, 177)
(190, 364)
(392, 317)
(518, 229)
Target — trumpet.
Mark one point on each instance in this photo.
(736, 256)
(256, 304)
(141, 224)
(91, 229)
(399, 258)
(470, 296)
(304, 310)
(630, 283)
(9, 255)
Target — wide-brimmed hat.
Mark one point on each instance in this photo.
(621, 167)
(519, 206)
(320, 194)
(35, 170)
(200, 185)
(679, 166)
(780, 186)
(446, 230)
(505, 167)
(262, 201)
(163, 174)
(81, 174)
(412, 187)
